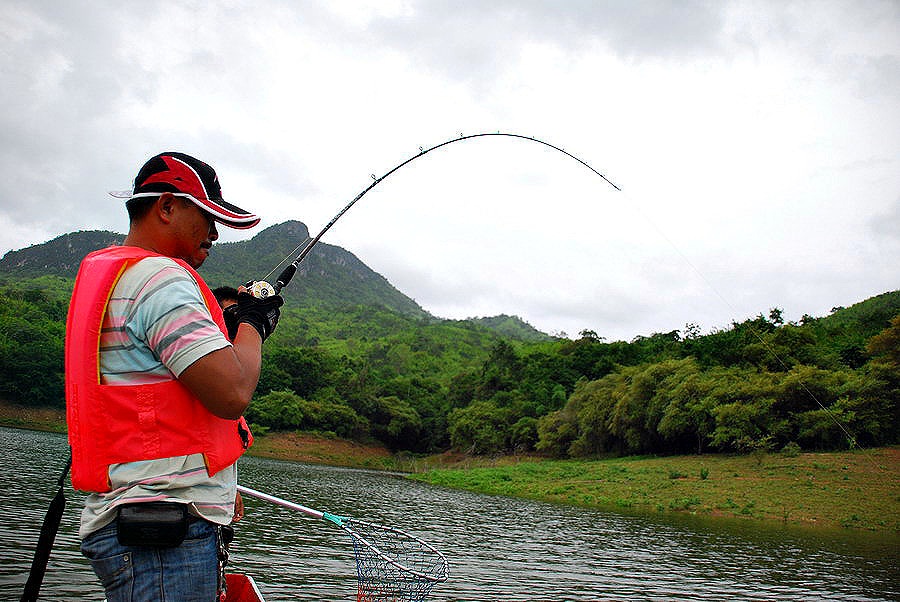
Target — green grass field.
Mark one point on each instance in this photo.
(859, 489)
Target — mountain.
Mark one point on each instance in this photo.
(329, 277)
(58, 257)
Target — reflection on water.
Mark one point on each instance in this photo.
(499, 548)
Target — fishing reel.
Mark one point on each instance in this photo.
(260, 289)
(263, 290)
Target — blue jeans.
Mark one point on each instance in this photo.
(187, 573)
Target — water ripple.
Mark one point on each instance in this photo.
(499, 548)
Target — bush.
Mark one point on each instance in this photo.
(285, 411)
(524, 434)
(481, 428)
(258, 430)
(790, 450)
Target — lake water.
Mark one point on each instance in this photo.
(499, 548)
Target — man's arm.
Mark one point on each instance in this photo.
(224, 380)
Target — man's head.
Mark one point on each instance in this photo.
(226, 296)
(191, 179)
(174, 207)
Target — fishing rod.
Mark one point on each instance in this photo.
(262, 289)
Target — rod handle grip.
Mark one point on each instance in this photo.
(284, 277)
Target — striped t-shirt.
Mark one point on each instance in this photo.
(156, 325)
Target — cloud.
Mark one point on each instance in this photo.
(475, 41)
(91, 90)
(55, 102)
(747, 136)
(887, 223)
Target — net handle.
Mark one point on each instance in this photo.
(338, 520)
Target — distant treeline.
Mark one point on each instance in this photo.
(423, 385)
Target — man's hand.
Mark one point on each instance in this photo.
(261, 314)
(238, 507)
(231, 323)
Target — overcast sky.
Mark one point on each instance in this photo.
(757, 144)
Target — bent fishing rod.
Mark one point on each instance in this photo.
(263, 289)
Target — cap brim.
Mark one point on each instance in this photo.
(221, 211)
(226, 213)
(242, 225)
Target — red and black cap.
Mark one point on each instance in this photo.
(187, 177)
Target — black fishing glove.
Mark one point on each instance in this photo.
(231, 321)
(261, 314)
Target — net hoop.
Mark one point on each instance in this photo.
(432, 566)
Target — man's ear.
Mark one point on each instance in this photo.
(165, 206)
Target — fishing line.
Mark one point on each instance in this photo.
(286, 257)
(264, 289)
(851, 439)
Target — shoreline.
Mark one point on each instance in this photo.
(847, 490)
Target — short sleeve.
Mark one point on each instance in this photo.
(171, 317)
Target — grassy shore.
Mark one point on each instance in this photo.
(854, 489)
(36, 419)
(312, 448)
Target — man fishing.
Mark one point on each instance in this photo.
(155, 389)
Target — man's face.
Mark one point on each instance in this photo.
(196, 231)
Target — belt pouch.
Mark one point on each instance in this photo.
(152, 524)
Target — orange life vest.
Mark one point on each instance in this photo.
(112, 424)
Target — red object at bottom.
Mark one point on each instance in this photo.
(241, 588)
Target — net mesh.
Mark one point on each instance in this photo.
(393, 566)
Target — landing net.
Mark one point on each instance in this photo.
(392, 565)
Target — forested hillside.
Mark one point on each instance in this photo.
(383, 369)
(327, 276)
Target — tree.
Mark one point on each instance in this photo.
(637, 413)
(885, 346)
(691, 331)
(740, 423)
(31, 351)
(481, 428)
(500, 372)
(776, 316)
(524, 434)
(557, 431)
(286, 411)
(591, 405)
(396, 423)
(688, 415)
(303, 370)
